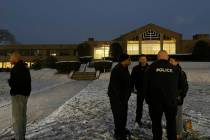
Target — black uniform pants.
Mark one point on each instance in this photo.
(119, 110)
(156, 113)
(139, 107)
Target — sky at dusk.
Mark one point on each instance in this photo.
(73, 21)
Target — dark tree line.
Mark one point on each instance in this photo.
(84, 49)
(115, 51)
(48, 62)
(201, 51)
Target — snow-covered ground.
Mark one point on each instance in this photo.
(41, 80)
(47, 96)
(87, 115)
(197, 102)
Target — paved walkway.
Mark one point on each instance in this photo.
(43, 103)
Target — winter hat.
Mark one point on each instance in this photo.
(123, 57)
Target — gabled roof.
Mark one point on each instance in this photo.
(147, 27)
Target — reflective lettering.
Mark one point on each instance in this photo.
(164, 70)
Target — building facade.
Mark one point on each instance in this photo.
(149, 40)
(31, 53)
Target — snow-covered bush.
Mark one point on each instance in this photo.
(67, 66)
(103, 66)
(85, 59)
(37, 64)
(50, 62)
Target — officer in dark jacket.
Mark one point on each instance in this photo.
(182, 92)
(137, 77)
(160, 87)
(20, 83)
(119, 92)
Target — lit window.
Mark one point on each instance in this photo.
(133, 47)
(170, 46)
(6, 65)
(1, 65)
(53, 54)
(28, 64)
(101, 52)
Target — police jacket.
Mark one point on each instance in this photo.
(20, 80)
(120, 84)
(162, 81)
(137, 76)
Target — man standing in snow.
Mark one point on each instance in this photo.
(137, 77)
(180, 98)
(119, 92)
(20, 83)
(161, 87)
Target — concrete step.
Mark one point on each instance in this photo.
(84, 76)
(84, 73)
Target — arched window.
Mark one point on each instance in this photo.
(151, 35)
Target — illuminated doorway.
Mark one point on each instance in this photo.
(150, 47)
(133, 47)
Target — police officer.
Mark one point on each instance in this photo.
(137, 77)
(119, 92)
(180, 98)
(160, 87)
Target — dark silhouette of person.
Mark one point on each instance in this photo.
(182, 92)
(137, 76)
(119, 92)
(20, 83)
